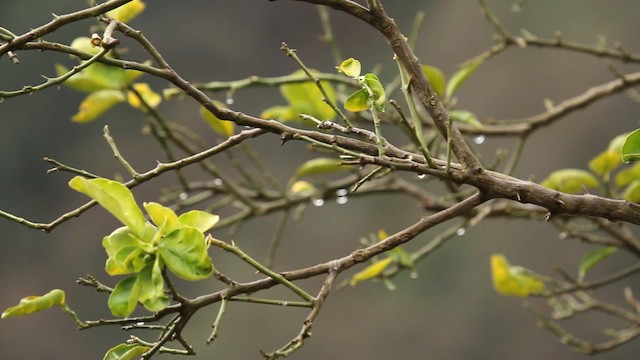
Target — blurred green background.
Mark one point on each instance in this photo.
(449, 312)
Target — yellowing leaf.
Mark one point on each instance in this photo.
(31, 304)
(370, 271)
(306, 98)
(350, 67)
(127, 11)
(97, 103)
(222, 127)
(358, 101)
(83, 43)
(302, 187)
(605, 162)
(165, 219)
(151, 98)
(279, 112)
(571, 181)
(513, 280)
(626, 176)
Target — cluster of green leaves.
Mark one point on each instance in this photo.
(370, 96)
(107, 85)
(143, 250)
(606, 171)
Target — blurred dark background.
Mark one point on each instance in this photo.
(449, 312)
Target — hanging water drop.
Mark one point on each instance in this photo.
(479, 139)
(563, 235)
(217, 182)
(342, 200)
(461, 231)
(422, 176)
(183, 196)
(341, 192)
(413, 274)
(229, 101)
(318, 202)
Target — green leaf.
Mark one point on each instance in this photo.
(222, 127)
(605, 162)
(459, 77)
(125, 295)
(379, 96)
(125, 352)
(466, 117)
(152, 294)
(84, 43)
(350, 67)
(358, 101)
(306, 98)
(184, 251)
(626, 176)
(571, 181)
(371, 271)
(592, 258)
(82, 81)
(632, 192)
(96, 104)
(126, 252)
(513, 280)
(321, 166)
(165, 219)
(202, 221)
(435, 77)
(631, 147)
(303, 188)
(115, 198)
(127, 11)
(31, 304)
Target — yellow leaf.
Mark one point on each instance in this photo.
(31, 304)
(302, 187)
(222, 127)
(127, 11)
(513, 280)
(97, 103)
(150, 97)
(371, 271)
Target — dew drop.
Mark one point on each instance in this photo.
(413, 274)
(422, 176)
(342, 200)
(461, 231)
(217, 182)
(479, 139)
(563, 235)
(341, 192)
(318, 202)
(229, 101)
(183, 196)
(140, 323)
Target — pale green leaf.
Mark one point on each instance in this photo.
(592, 258)
(615, 145)
(115, 198)
(626, 176)
(31, 304)
(152, 294)
(202, 221)
(279, 112)
(358, 101)
(436, 78)
(571, 181)
(466, 117)
(165, 219)
(459, 77)
(306, 98)
(379, 96)
(321, 166)
(605, 162)
(350, 67)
